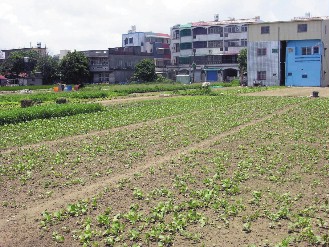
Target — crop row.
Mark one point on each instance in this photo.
(17, 88)
(226, 91)
(113, 116)
(262, 186)
(18, 115)
(144, 88)
(95, 92)
(76, 162)
(52, 96)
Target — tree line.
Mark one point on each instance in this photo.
(72, 69)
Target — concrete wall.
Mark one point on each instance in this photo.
(325, 52)
(138, 38)
(303, 70)
(285, 31)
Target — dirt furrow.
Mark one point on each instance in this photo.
(29, 215)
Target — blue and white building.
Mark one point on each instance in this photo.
(289, 53)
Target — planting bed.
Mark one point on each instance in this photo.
(189, 171)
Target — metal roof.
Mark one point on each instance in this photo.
(217, 23)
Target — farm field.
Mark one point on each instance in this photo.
(222, 170)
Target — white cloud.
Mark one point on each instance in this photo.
(98, 24)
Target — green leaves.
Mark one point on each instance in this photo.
(47, 111)
(74, 68)
(145, 71)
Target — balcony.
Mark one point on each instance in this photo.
(95, 68)
(186, 39)
(203, 37)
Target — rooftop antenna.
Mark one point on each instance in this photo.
(308, 14)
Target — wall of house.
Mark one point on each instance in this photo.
(268, 63)
(284, 31)
(134, 39)
(325, 52)
(303, 69)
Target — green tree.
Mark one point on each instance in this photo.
(145, 71)
(49, 67)
(74, 68)
(242, 61)
(19, 62)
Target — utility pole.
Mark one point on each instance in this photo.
(193, 65)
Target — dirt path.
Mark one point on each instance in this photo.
(27, 217)
(293, 92)
(132, 98)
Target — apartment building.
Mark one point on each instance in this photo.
(98, 65)
(289, 53)
(157, 44)
(114, 65)
(208, 51)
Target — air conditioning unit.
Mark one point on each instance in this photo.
(237, 29)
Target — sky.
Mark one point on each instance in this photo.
(99, 24)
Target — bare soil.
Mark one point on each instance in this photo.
(20, 222)
(22, 217)
(294, 92)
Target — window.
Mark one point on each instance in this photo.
(233, 43)
(315, 50)
(200, 44)
(184, 60)
(215, 43)
(177, 48)
(302, 28)
(215, 30)
(265, 29)
(185, 32)
(289, 74)
(304, 76)
(126, 41)
(160, 51)
(244, 42)
(261, 75)
(131, 40)
(199, 31)
(231, 29)
(274, 50)
(306, 51)
(261, 52)
(244, 28)
(176, 34)
(185, 46)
